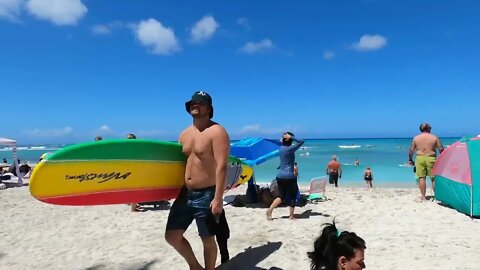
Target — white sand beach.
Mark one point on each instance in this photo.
(400, 234)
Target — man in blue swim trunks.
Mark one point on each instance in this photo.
(206, 146)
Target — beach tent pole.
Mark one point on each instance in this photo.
(471, 176)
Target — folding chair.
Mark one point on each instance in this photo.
(317, 189)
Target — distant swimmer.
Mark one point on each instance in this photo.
(334, 170)
(98, 138)
(356, 162)
(425, 145)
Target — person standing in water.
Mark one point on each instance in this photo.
(206, 145)
(368, 177)
(286, 178)
(334, 171)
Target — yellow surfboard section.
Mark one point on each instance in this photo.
(247, 173)
(81, 177)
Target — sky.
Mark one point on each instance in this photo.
(74, 69)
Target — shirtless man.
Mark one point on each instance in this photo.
(426, 145)
(206, 146)
(334, 170)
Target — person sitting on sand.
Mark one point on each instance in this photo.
(334, 170)
(337, 250)
(286, 178)
(368, 177)
(426, 145)
(4, 160)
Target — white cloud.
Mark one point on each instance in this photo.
(152, 34)
(258, 129)
(328, 55)
(255, 47)
(105, 128)
(59, 12)
(244, 22)
(101, 29)
(250, 128)
(370, 43)
(10, 9)
(50, 133)
(106, 29)
(149, 133)
(204, 29)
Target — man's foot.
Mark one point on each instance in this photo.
(420, 200)
(269, 215)
(291, 217)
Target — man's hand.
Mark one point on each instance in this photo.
(217, 206)
(411, 162)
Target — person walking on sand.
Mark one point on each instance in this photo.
(334, 171)
(286, 178)
(425, 145)
(368, 177)
(206, 145)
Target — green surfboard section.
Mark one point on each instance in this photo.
(123, 149)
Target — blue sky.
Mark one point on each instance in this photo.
(74, 69)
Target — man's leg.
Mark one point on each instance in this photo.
(209, 252)
(423, 186)
(182, 246)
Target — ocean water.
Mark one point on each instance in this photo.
(383, 156)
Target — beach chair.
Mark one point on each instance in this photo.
(317, 189)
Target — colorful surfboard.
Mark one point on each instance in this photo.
(118, 171)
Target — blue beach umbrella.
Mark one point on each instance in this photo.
(255, 151)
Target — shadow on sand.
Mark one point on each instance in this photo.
(249, 258)
(307, 214)
(448, 206)
(139, 266)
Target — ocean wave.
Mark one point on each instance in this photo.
(29, 148)
(349, 146)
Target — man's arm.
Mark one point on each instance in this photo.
(221, 149)
(410, 153)
(339, 170)
(439, 145)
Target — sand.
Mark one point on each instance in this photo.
(400, 233)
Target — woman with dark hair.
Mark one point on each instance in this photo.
(286, 178)
(337, 250)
